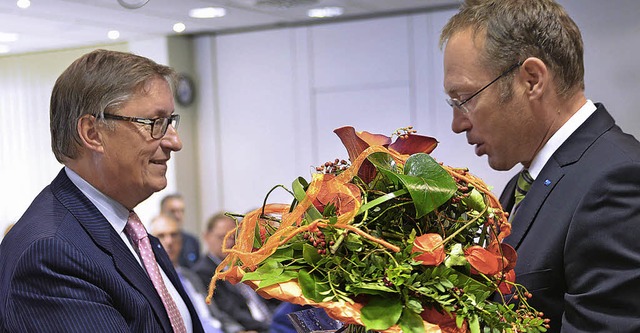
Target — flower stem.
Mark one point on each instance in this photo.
(381, 199)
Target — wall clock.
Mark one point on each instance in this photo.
(185, 90)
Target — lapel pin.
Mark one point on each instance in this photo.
(547, 182)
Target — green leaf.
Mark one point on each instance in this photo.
(368, 288)
(474, 324)
(282, 253)
(284, 277)
(300, 186)
(310, 254)
(270, 268)
(256, 237)
(384, 161)
(414, 306)
(456, 256)
(428, 183)
(382, 199)
(354, 242)
(311, 287)
(381, 312)
(411, 322)
(475, 201)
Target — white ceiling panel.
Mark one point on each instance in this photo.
(56, 24)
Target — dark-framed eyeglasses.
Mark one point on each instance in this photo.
(460, 105)
(158, 125)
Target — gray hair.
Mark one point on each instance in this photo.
(518, 29)
(98, 82)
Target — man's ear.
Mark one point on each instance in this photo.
(536, 77)
(90, 134)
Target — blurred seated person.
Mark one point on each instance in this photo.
(173, 205)
(239, 301)
(167, 230)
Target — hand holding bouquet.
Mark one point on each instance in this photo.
(392, 240)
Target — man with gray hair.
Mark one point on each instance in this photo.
(79, 259)
(514, 73)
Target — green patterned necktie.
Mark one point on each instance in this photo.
(522, 187)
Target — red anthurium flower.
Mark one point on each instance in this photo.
(413, 144)
(431, 248)
(356, 142)
(483, 260)
(344, 202)
(506, 287)
(507, 253)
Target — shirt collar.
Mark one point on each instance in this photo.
(559, 137)
(114, 212)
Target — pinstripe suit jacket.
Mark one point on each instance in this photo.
(64, 269)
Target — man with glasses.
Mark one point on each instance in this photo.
(79, 259)
(513, 70)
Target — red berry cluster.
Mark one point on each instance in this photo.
(317, 239)
(463, 192)
(404, 132)
(333, 167)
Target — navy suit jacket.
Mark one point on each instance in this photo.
(576, 231)
(190, 252)
(65, 269)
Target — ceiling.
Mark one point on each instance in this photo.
(59, 24)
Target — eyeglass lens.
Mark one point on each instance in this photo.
(160, 125)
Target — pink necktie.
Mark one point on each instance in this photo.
(136, 231)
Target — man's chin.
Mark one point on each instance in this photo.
(499, 165)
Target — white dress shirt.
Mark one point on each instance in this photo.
(559, 137)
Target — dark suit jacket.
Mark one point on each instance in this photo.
(65, 269)
(190, 252)
(227, 296)
(577, 231)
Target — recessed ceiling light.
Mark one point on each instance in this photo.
(179, 27)
(207, 12)
(113, 34)
(24, 4)
(6, 37)
(325, 12)
(4, 49)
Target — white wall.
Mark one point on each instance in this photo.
(280, 93)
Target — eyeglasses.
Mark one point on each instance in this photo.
(158, 125)
(456, 103)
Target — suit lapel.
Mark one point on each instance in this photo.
(106, 238)
(133, 272)
(165, 264)
(551, 175)
(530, 205)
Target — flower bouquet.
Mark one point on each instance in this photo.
(390, 241)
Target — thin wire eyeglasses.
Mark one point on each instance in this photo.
(456, 103)
(158, 125)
